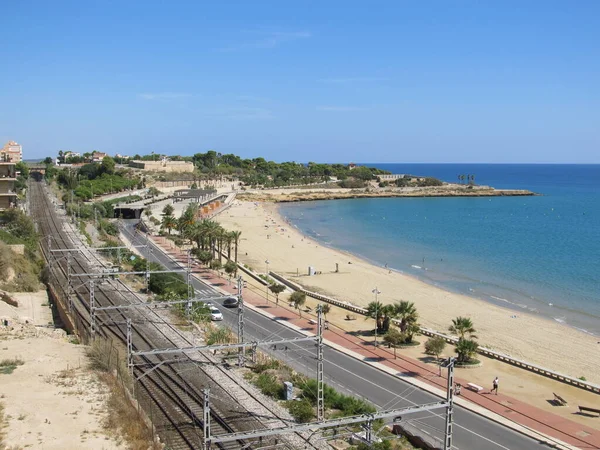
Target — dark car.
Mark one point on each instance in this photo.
(230, 302)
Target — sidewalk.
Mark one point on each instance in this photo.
(501, 408)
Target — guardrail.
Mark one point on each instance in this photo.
(452, 340)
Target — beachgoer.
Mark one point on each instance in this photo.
(495, 385)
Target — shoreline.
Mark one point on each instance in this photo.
(478, 294)
(287, 195)
(527, 336)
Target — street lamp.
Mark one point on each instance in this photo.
(376, 292)
(267, 279)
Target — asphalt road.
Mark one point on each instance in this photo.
(346, 374)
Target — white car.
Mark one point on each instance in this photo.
(215, 314)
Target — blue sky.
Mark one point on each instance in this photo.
(328, 81)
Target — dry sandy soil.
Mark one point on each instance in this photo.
(51, 401)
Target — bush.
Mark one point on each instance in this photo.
(301, 410)
(435, 345)
(352, 183)
(161, 283)
(109, 227)
(429, 181)
(269, 385)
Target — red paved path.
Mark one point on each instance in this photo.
(514, 410)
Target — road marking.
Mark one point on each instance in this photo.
(358, 376)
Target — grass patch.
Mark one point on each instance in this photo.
(269, 385)
(8, 366)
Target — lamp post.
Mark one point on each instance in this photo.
(376, 292)
(267, 280)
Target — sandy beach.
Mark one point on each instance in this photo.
(266, 236)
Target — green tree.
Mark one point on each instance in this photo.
(48, 161)
(462, 326)
(23, 168)
(466, 348)
(168, 210)
(277, 289)
(435, 345)
(298, 298)
(230, 268)
(394, 338)
(203, 256)
(108, 165)
(215, 264)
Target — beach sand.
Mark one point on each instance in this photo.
(524, 336)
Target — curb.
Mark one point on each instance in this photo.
(467, 404)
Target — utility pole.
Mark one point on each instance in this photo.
(92, 311)
(320, 377)
(376, 292)
(129, 347)
(241, 350)
(450, 400)
(206, 417)
(148, 251)
(190, 293)
(69, 284)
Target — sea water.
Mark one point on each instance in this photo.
(536, 254)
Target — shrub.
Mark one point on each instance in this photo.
(435, 346)
(301, 410)
(351, 183)
(269, 385)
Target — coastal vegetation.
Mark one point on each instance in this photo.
(403, 311)
(19, 272)
(268, 375)
(467, 346)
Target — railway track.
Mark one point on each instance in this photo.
(176, 394)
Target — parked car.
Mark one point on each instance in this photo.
(215, 314)
(230, 302)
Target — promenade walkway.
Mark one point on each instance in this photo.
(501, 408)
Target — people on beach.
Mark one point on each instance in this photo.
(495, 386)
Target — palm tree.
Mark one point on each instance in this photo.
(325, 309)
(169, 223)
(228, 241)
(407, 313)
(236, 240)
(375, 311)
(462, 326)
(466, 348)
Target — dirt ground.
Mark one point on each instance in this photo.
(51, 400)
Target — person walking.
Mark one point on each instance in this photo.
(495, 385)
